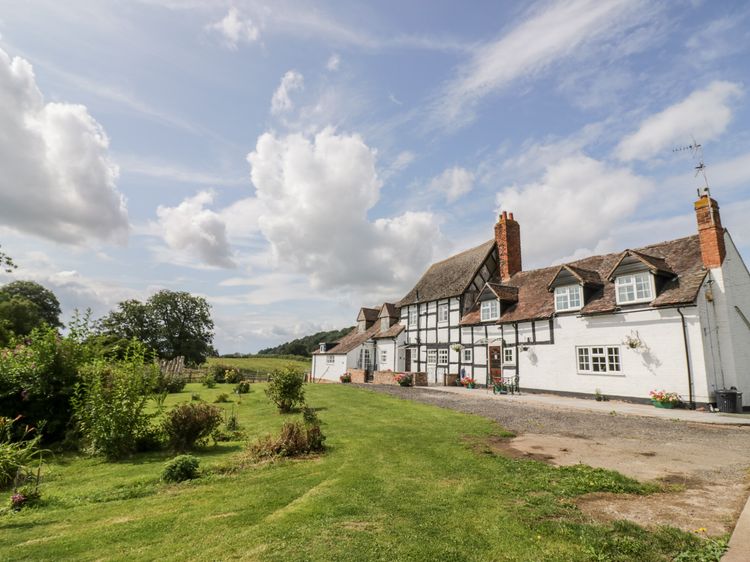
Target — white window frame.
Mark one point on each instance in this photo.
(599, 360)
(631, 283)
(565, 295)
(330, 359)
(413, 317)
(509, 355)
(383, 356)
(443, 313)
(322, 348)
(442, 354)
(467, 355)
(489, 310)
(432, 356)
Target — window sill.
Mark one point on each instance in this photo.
(592, 374)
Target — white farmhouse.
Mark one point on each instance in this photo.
(673, 315)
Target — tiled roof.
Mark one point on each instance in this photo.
(504, 292)
(391, 332)
(682, 257)
(352, 340)
(389, 310)
(450, 277)
(656, 264)
(369, 314)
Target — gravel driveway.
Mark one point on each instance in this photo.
(708, 462)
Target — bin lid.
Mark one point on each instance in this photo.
(727, 391)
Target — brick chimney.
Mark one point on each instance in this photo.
(710, 231)
(508, 240)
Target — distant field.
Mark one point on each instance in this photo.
(259, 363)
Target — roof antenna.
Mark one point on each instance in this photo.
(696, 150)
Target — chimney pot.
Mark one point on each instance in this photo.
(505, 215)
(511, 216)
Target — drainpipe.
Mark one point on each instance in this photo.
(687, 359)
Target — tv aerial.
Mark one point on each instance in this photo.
(696, 149)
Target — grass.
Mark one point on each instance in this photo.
(400, 481)
(259, 363)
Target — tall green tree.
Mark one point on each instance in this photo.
(172, 323)
(44, 299)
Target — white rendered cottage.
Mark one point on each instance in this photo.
(673, 315)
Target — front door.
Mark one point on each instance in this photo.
(367, 364)
(432, 365)
(407, 361)
(496, 361)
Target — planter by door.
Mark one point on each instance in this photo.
(667, 405)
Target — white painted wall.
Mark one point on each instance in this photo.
(324, 370)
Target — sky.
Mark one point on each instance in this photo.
(293, 161)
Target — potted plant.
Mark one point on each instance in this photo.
(403, 379)
(633, 340)
(346, 377)
(664, 399)
(457, 347)
(468, 382)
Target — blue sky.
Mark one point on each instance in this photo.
(292, 161)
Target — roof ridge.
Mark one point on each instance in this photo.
(461, 253)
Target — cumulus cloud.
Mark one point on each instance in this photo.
(316, 193)
(584, 201)
(290, 82)
(453, 183)
(57, 179)
(235, 29)
(334, 62)
(193, 229)
(705, 113)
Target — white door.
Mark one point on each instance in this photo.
(432, 365)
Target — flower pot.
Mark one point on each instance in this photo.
(667, 405)
(469, 386)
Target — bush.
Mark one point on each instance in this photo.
(296, 438)
(181, 468)
(217, 371)
(232, 376)
(209, 381)
(37, 377)
(222, 398)
(188, 425)
(171, 383)
(285, 389)
(110, 403)
(17, 453)
(24, 497)
(243, 387)
(195, 397)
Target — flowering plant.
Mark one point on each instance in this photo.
(403, 379)
(346, 377)
(468, 382)
(457, 347)
(664, 397)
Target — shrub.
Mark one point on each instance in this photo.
(403, 379)
(195, 397)
(110, 402)
(37, 377)
(17, 452)
(209, 381)
(295, 439)
(188, 425)
(232, 376)
(285, 389)
(345, 378)
(170, 383)
(243, 387)
(24, 497)
(217, 371)
(180, 468)
(222, 398)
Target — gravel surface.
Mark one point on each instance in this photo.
(525, 418)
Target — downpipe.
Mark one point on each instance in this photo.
(687, 360)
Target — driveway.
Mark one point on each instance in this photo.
(706, 464)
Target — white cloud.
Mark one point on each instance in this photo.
(196, 230)
(316, 193)
(236, 29)
(453, 183)
(290, 82)
(574, 206)
(704, 113)
(545, 37)
(334, 62)
(57, 179)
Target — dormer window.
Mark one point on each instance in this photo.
(490, 310)
(322, 348)
(568, 297)
(638, 287)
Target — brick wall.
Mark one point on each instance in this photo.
(508, 240)
(713, 250)
(383, 377)
(358, 375)
(420, 379)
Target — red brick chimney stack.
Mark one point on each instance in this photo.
(508, 240)
(710, 231)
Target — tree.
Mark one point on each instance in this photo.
(44, 299)
(18, 316)
(6, 262)
(172, 323)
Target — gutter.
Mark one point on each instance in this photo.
(687, 359)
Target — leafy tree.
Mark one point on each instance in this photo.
(172, 323)
(44, 299)
(285, 389)
(6, 262)
(306, 345)
(18, 316)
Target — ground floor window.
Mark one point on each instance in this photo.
(598, 359)
(442, 356)
(466, 355)
(383, 357)
(431, 356)
(330, 359)
(509, 356)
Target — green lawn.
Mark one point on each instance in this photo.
(259, 363)
(400, 481)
